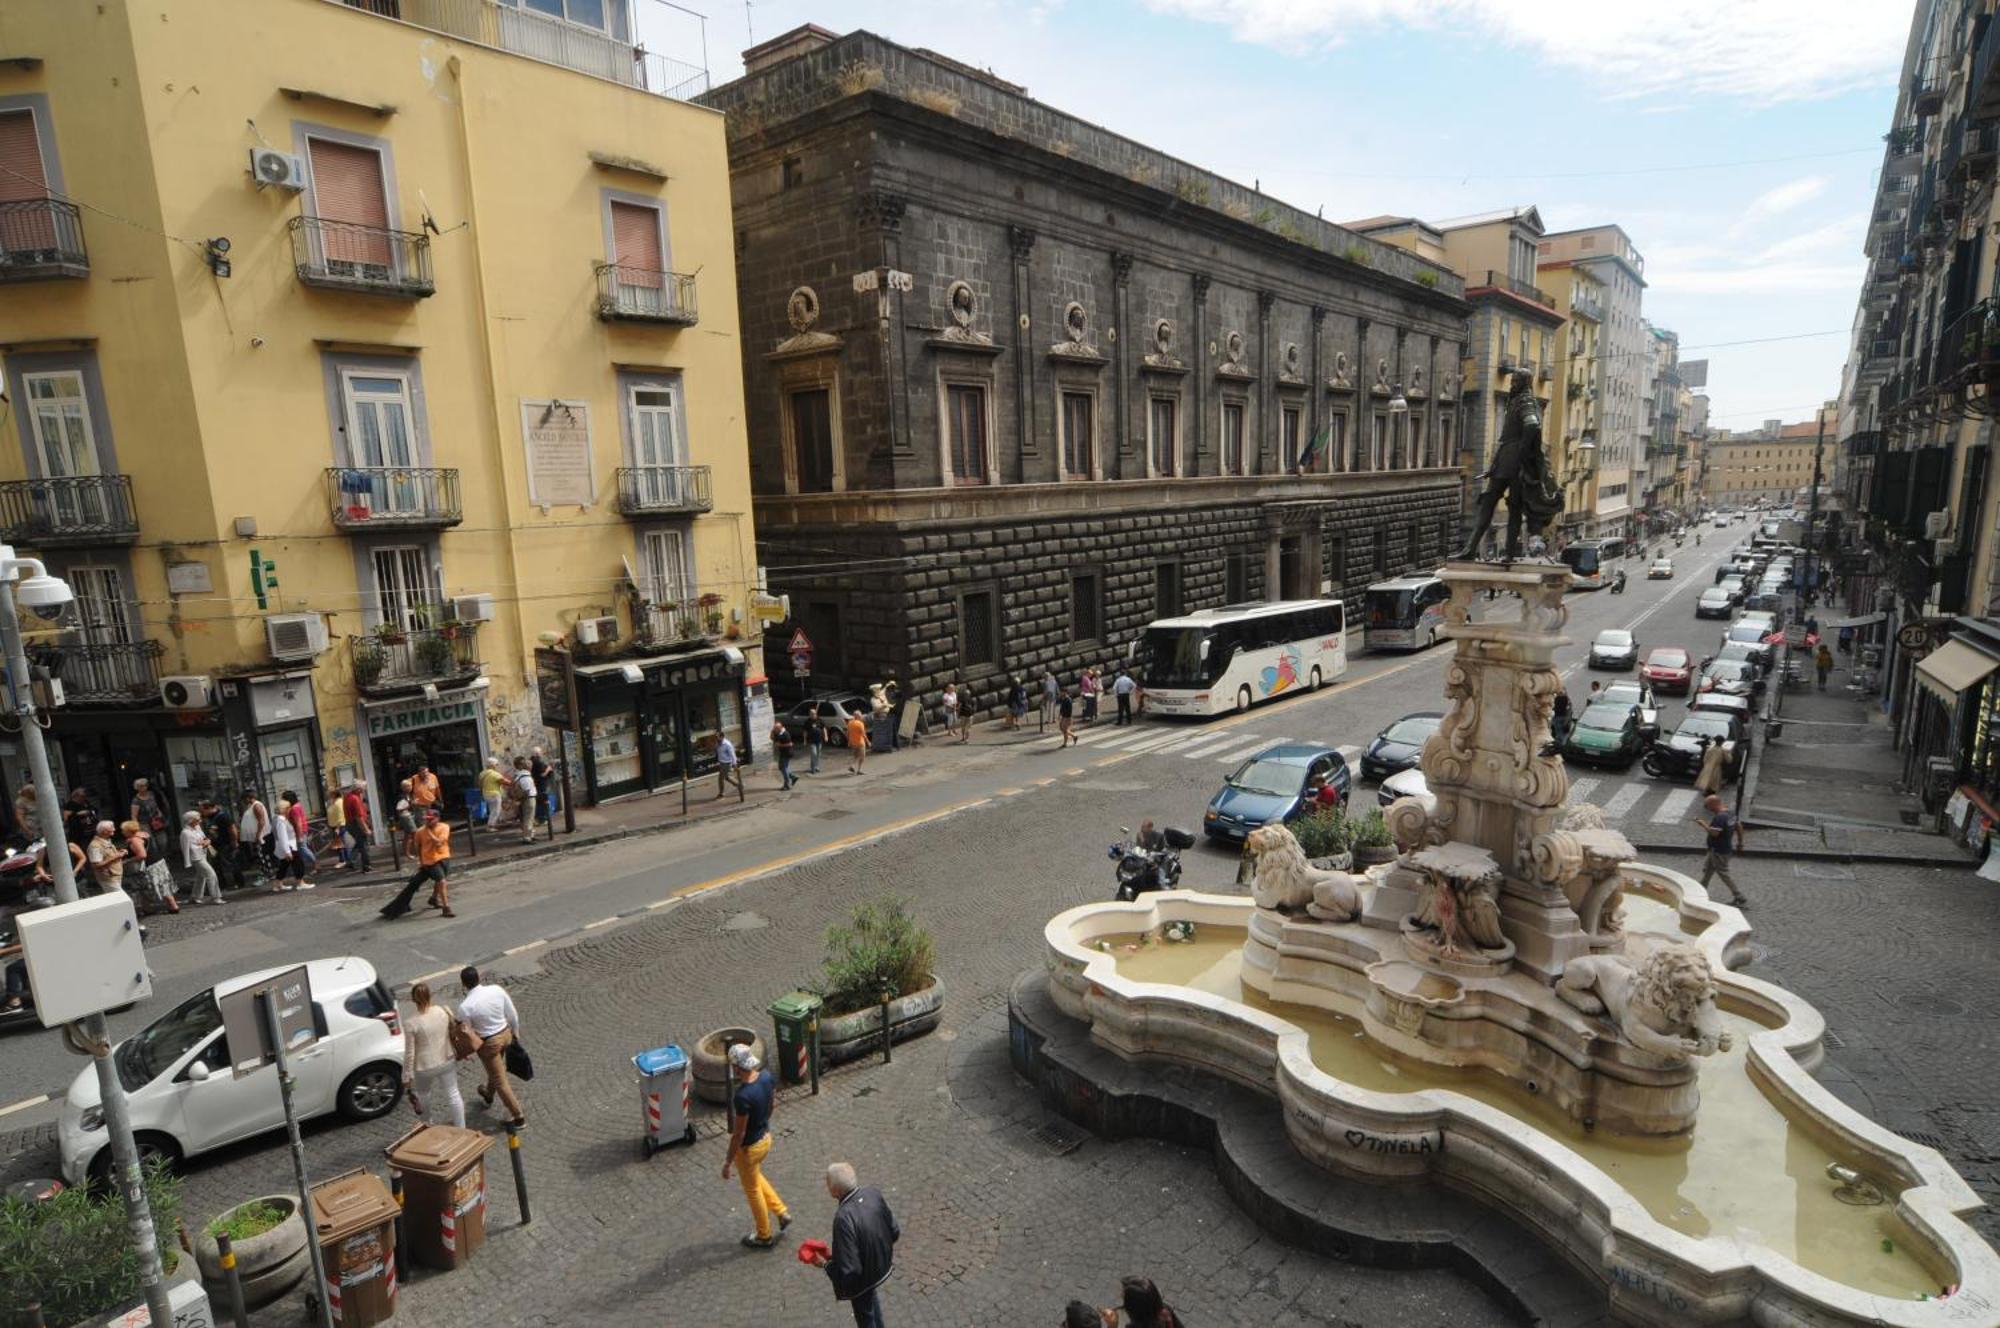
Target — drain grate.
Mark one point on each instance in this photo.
(1059, 1137)
(1832, 1040)
(835, 814)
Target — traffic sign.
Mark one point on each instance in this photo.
(801, 643)
(1914, 636)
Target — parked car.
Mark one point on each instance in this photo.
(1606, 733)
(1272, 786)
(1714, 602)
(1735, 589)
(1614, 648)
(1721, 521)
(1721, 703)
(1735, 676)
(1751, 636)
(834, 708)
(1757, 654)
(1661, 570)
(185, 1099)
(1397, 747)
(1698, 725)
(1635, 691)
(1737, 567)
(1669, 669)
(1405, 784)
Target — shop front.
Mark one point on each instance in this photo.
(648, 723)
(446, 732)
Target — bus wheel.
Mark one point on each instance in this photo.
(1243, 699)
(1434, 636)
(1313, 686)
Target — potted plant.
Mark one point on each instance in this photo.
(435, 654)
(879, 955)
(708, 1063)
(1324, 837)
(390, 633)
(70, 1253)
(711, 609)
(268, 1238)
(369, 662)
(450, 629)
(1371, 839)
(687, 620)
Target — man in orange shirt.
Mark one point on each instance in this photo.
(433, 840)
(857, 743)
(424, 790)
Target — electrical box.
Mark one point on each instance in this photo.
(84, 958)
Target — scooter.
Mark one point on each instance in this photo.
(1148, 864)
(1618, 582)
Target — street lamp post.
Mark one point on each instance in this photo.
(46, 595)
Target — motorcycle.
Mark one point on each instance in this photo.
(1148, 862)
(1618, 582)
(1664, 762)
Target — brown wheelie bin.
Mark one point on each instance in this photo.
(444, 1192)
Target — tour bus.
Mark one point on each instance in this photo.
(1214, 660)
(1406, 613)
(1589, 561)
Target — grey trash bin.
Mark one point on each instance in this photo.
(664, 1083)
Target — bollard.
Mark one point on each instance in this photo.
(812, 1031)
(520, 1173)
(233, 1280)
(402, 1253)
(885, 1028)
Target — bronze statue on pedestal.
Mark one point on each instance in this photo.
(1520, 474)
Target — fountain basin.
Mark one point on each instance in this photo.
(1736, 1222)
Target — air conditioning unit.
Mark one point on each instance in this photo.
(286, 170)
(295, 635)
(596, 631)
(1937, 525)
(473, 608)
(187, 692)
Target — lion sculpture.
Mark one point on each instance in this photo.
(1666, 1005)
(1285, 881)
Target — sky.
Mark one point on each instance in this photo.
(1736, 141)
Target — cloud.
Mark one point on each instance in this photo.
(1785, 197)
(1762, 53)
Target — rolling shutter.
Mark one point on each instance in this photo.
(347, 188)
(635, 244)
(21, 175)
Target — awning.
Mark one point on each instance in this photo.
(1952, 668)
(703, 655)
(1865, 620)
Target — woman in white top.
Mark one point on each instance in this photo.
(194, 856)
(430, 1073)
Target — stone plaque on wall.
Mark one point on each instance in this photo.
(557, 436)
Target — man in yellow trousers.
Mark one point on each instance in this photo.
(750, 1143)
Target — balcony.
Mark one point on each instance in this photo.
(120, 673)
(393, 497)
(341, 255)
(1586, 306)
(1527, 290)
(1927, 86)
(1971, 155)
(41, 239)
(645, 295)
(517, 28)
(1906, 149)
(395, 659)
(67, 511)
(1969, 350)
(663, 625)
(1864, 443)
(664, 490)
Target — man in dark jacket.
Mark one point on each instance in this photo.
(864, 1244)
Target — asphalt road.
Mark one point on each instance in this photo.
(1164, 769)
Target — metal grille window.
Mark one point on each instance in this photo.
(1086, 607)
(1232, 438)
(965, 421)
(1079, 425)
(812, 439)
(406, 586)
(1163, 433)
(668, 580)
(101, 612)
(978, 630)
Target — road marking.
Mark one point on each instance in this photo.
(441, 973)
(1581, 789)
(1186, 740)
(1007, 793)
(1350, 754)
(1674, 806)
(1235, 752)
(1128, 737)
(1112, 760)
(1624, 800)
(1070, 774)
(668, 902)
(601, 922)
(1043, 783)
(1159, 742)
(523, 949)
(1211, 743)
(1098, 734)
(826, 850)
(24, 1104)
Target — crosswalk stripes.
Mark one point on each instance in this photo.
(1581, 789)
(1675, 806)
(1235, 752)
(1350, 754)
(1155, 741)
(1624, 800)
(1215, 742)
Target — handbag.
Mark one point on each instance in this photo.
(519, 1063)
(465, 1043)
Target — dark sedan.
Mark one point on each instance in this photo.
(1706, 724)
(1606, 733)
(1397, 747)
(1277, 784)
(1614, 648)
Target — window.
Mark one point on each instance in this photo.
(1445, 456)
(1381, 551)
(1288, 438)
(638, 259)
(406, 586)
(1232, 438)
(978, 630)
(1336, 443)
(101, 612)
(1236, 578)
(668, 583)
(965, 423)
(1086, 607)
(381, 438)
(587, 13)
(24, 178)
(1079, 428)
(1418, 458)
(65, 444)
(348, 189)
(1167, 590)
(1336, 560)
(1378, 455)
(1163, 433)
(792, 174)
(812, 439)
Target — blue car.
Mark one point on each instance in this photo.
(1273, 786)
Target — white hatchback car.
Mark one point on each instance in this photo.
(185, 1101)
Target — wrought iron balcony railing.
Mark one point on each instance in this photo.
(645, 295)
(395, 658)
(393, 497)
(664, 490)
(1927, 85)
(68, 510)
(41, 239)
(342, 255)
(113, 673)
(1527, 290)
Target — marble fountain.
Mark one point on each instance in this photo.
(1517, 1010)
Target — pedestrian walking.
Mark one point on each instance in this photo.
(782, 744)
(146, 808)
(1051, 693)
(1708, 779)
(147, 867)
(406, 817)
(1144, 1306)
(336, 824)
(194, 857)
(1017, 702)
(424, 789)
(965, 713)
(354, 803)
(106, 858)
(1087, 688)
(726, 771)
(545, 786)
(285, 857)
(433, 865)
(220, 827)
(524, 798)
(28, 813)
(816, 736)
(1725, 835)
(1846, 645)
(1066, 718)
(857, 743)
(489, 1012)
(294, 811)
(1823, 662)
(949, 704)
(430, 1070)
(1122, 688)
(750, 1144)
(863, 1249)
(492, 785)
(80, 818)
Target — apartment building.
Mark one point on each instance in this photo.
(1624, 353)
(1574, 422)
(1770, 464)
(359, 353)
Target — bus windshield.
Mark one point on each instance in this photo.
(1582, 559)
(1174, 657)
(1391, 608)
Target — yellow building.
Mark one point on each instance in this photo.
(349, 360)
(1573, 424)
(1773, 464)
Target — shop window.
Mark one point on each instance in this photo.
(978, 630)
(1086, 607)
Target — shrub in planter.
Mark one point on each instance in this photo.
(269, 1239)
(879, 950)
(1372, 841)
(1326, 833)
(71, 1252)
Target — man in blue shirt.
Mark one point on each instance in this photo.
(1725, 833)
(750, 1141)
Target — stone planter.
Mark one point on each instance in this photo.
(1334, 862)
(708, 1063)
(844, 1037)
(268, 1264)
(1373, 855)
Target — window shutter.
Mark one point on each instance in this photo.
(635, 244)
(347, 187)
(21, 175)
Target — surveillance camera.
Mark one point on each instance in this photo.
(49, 612)
(44, 595)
